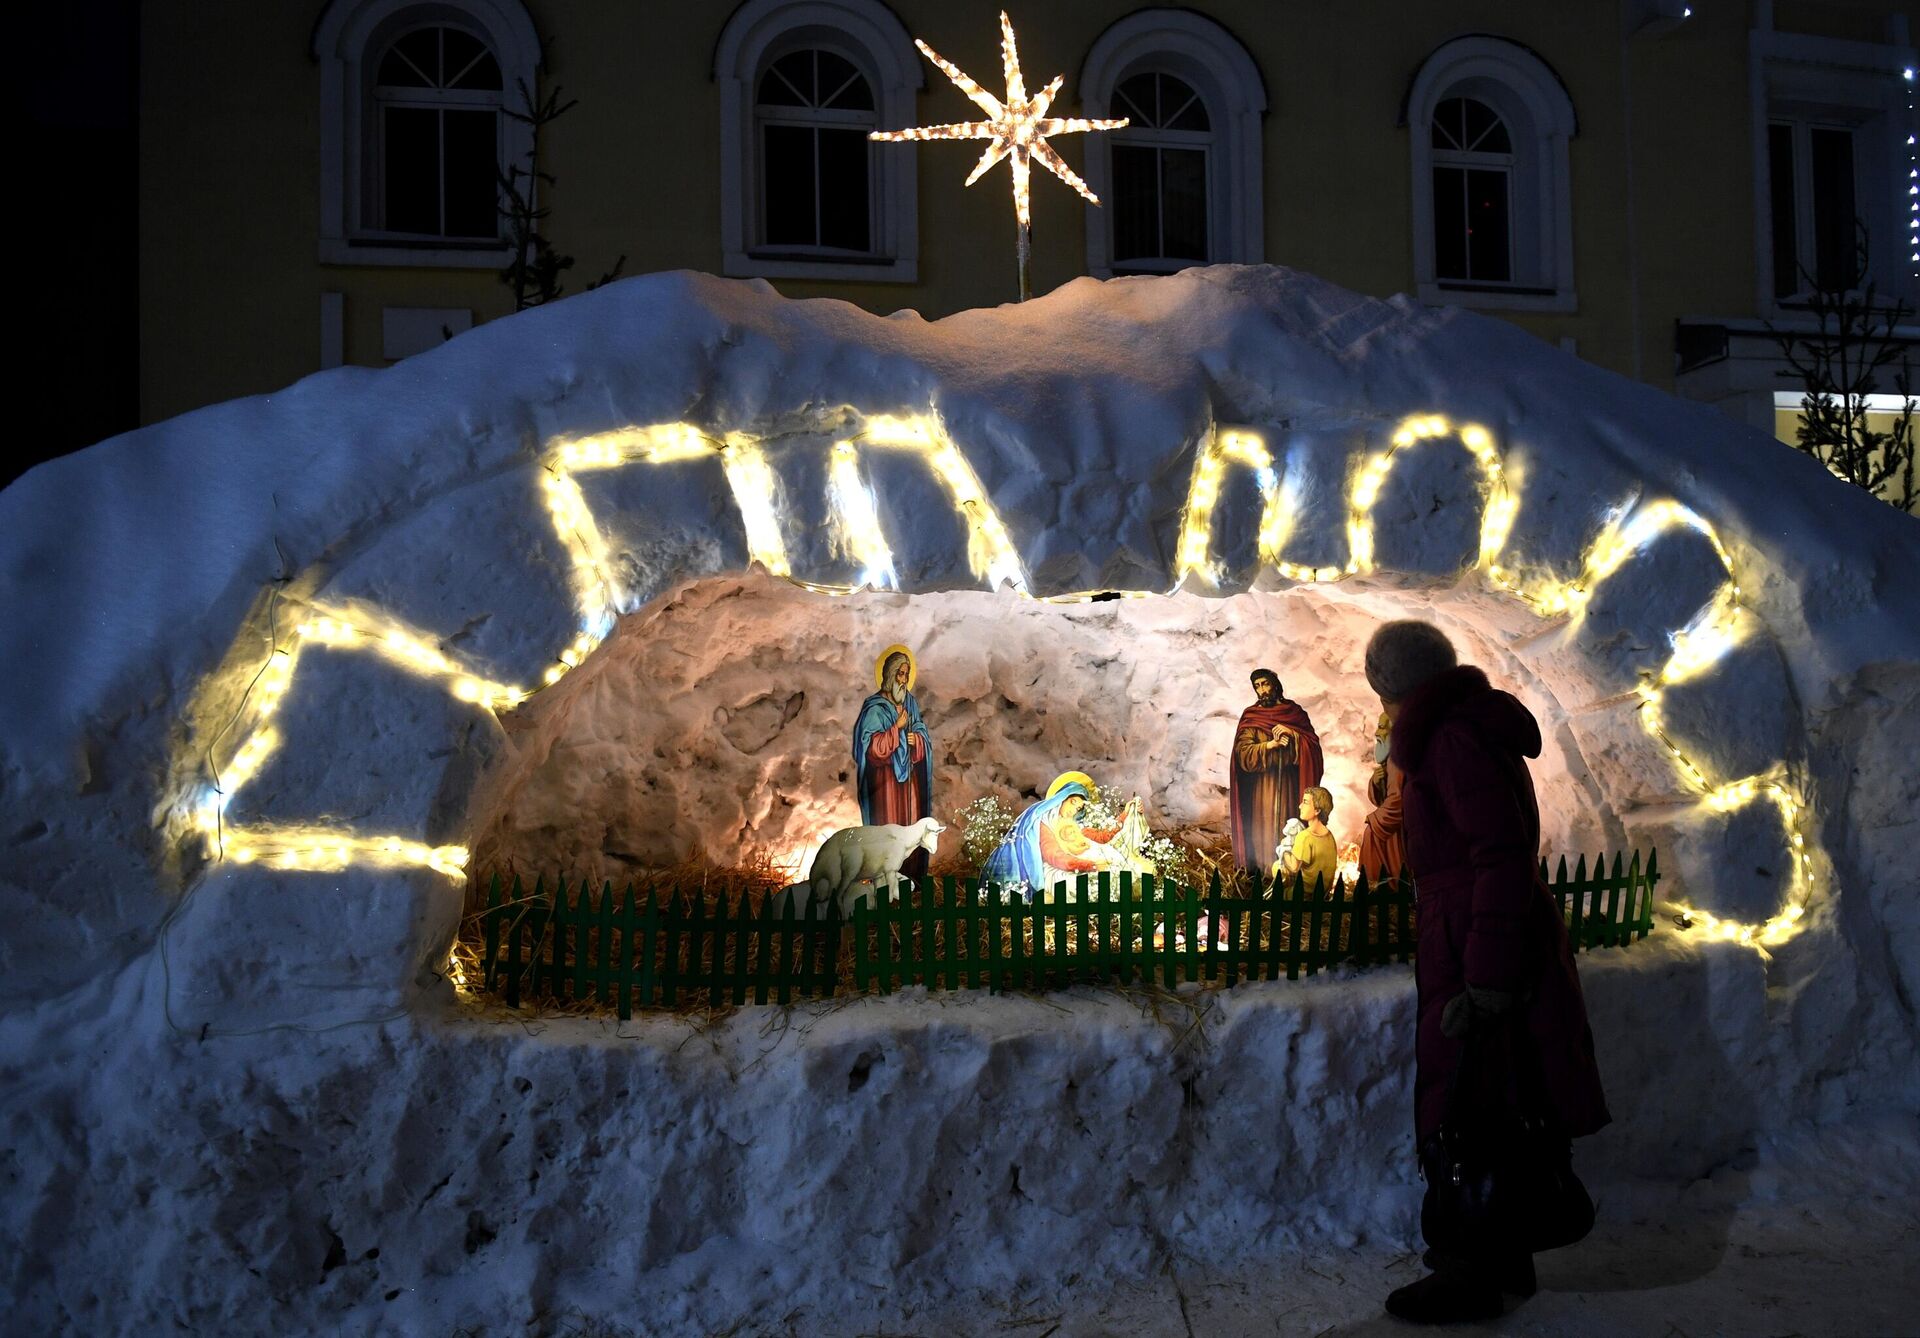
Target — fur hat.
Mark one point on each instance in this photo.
(1403, 655)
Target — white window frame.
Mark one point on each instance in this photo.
(867, 34)
(348, 41)
(1201, 53)
(1526, 94)
(1814, 81)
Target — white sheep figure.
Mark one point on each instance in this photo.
(854, 856)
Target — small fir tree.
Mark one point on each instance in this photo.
(535, 270)
(1841, 365)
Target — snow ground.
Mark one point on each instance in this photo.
(1815, 1235)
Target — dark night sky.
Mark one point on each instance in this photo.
(76, 232)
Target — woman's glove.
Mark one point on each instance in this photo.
(1471, 1010)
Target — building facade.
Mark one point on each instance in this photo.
(1650, 184)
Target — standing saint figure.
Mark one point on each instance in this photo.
(1276, 757)
(1382, 851)
(893, 752)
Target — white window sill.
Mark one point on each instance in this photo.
(740, 265)
(338, 251)
(1494, 299)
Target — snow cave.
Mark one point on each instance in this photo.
(598, 588)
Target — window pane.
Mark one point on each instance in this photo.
(789, 81)
(1180, 105)
(1833, 213)
(787, 200)
(1450, 222)
(1488, 255)
(1135, 203)
(1786, 240)
(843, 189)
(472, 158)
(483, 74)
(1138, 100)
(1449, 124)
(413, 61)
(410, 156)
(841, 85)
(1479, 120)
(1183, 211)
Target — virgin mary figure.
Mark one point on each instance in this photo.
(1047, 842)
(893, 752)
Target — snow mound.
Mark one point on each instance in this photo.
(303, 627)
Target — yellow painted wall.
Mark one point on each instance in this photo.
(231, 284)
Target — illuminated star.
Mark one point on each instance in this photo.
(1018, 128)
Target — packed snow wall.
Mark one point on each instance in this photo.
(281, 667)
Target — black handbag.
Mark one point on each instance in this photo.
(1501, 1179)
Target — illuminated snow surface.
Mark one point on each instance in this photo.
(234, 1100)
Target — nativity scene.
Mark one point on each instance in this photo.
(1276, 820)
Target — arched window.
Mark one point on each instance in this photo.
(436, 132)
(413, 127)
(1493, 220)
(811, 119)
(804, 194)
(1181, 184)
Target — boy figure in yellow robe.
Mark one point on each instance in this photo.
(1315, 856)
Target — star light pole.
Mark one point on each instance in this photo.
(1017, 130)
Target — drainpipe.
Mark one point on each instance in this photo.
(1639, 18)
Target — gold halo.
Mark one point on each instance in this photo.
(880, 666)
(1065, 779)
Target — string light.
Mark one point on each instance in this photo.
(1280, 500)
(1696, 648)
(318, 849)
(596, 593)
(856, 519)
(379, 634)
(354, 629)
(990, 551)
(751, 479)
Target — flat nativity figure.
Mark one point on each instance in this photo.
(1310, 852)
(893, 752)
(1276, 759)
(1048, 845)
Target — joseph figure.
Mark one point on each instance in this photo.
(1276, 757)
(893, 752)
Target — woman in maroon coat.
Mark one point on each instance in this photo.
(1493, 955)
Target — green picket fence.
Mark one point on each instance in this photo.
(664, 948)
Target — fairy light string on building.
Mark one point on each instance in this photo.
(1912, 197)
